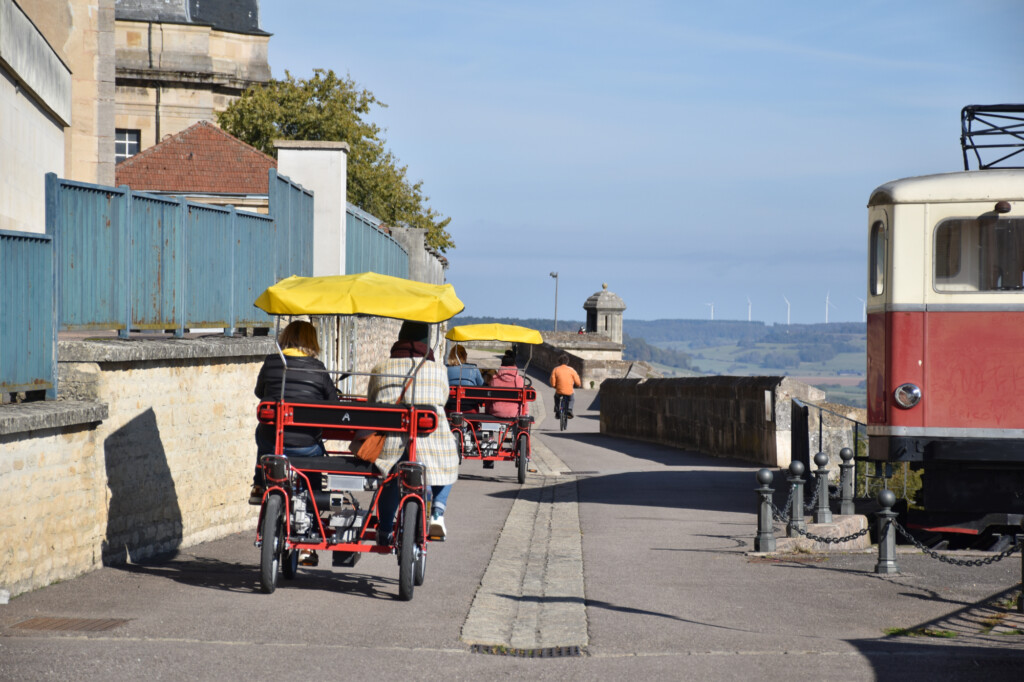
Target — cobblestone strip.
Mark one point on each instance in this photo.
(531, 595)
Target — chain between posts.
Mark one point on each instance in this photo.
(950, 560)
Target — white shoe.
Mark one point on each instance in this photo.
(437, 529)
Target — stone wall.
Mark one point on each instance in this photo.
(745, 417)
(149, 450)
(595, 357)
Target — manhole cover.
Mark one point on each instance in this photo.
(546, 652)
(70, 624)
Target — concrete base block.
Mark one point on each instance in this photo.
(841, 526)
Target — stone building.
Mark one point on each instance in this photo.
(182, 61)
(604, 314)
(56, 101)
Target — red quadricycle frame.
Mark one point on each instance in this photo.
(313, 503)
(489, 438)
(479, 434)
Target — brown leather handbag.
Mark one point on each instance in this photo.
(369, 450)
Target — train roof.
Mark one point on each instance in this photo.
(978, 185)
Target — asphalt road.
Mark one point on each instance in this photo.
(669, 589)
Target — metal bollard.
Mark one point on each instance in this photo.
(796, 512)
(765, 540)
(1020, 599)
(886, 535)
(822, 513)
(846, 480)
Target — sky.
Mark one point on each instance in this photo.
(694, 156)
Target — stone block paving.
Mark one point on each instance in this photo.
(531, 595)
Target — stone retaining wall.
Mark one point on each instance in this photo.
(745, 417)
(150, 450)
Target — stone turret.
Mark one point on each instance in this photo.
(604, 314)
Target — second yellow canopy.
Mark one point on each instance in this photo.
(494, 331)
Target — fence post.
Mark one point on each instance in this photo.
(52, 217)
(846, 479)
(886, 534)
(233, 276)
(822, 514)
(126, 266)
(765, 539)
(796, 513)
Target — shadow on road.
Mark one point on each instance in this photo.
(228, 576)
(598, 604)
(705, 490)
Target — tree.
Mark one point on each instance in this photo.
(328, 107)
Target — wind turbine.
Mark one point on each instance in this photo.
(748, 309)
(864, 309)
(828, 304)
(712, 306)
(787, 309)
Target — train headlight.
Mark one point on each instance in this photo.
(907, 395)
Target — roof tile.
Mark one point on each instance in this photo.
(201, 158)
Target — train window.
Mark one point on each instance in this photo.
(878, 251)
(979, 254)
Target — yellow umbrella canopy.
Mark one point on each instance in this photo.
(366, 293)
(494, 331)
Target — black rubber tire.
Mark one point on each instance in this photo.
(459, 443)
(563, 415)
(270, 552)
(290, 564)
(407, 549)
(522, 456)
(420, 568)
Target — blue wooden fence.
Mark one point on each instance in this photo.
(28, 337)
(122, 260)
(369, 248)
(129, 260)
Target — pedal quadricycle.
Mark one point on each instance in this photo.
(492, 423)
(313, 503)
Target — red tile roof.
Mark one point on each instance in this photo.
(201, 158)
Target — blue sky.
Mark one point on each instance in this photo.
(685, 153)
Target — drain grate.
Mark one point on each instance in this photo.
(71, 624)
(546, 652)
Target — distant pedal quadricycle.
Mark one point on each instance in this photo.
(310, 503)
(492, 423)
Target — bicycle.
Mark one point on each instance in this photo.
(562, 410)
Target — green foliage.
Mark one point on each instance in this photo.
(920, 632)
(816, 352)
(638, 349)
(329, 107)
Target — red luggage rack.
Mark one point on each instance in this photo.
(486, 437)
(314, 496)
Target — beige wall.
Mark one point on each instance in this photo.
(81, 32)
(89, 145)
(170, 76)
(169, 468)
(33, 144)
(35, 105)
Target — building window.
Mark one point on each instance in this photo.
(126, 143)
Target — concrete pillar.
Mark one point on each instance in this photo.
(321, 167)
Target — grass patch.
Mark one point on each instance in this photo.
(919, 632)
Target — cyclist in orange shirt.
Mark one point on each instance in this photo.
(564, 378)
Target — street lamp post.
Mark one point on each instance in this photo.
(555, 275)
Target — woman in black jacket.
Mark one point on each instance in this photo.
(307, 380)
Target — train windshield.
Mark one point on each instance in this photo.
(979, 254)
